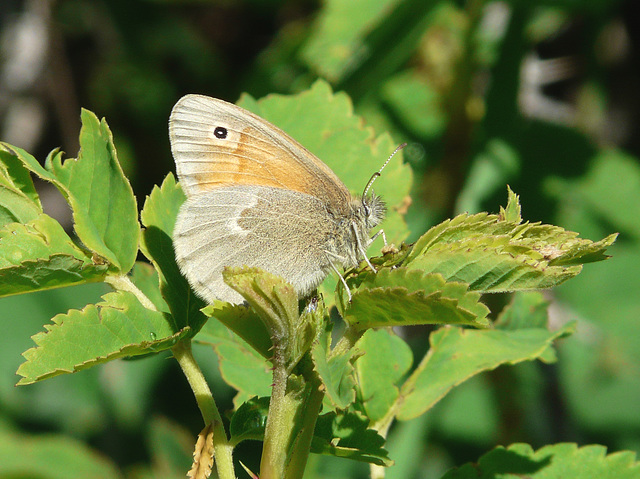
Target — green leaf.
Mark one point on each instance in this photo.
(53, 272)
(276, 303)
(403, 297)
(15, 173)
(104, 208)
(457, 354)
(19, 201)
(527, 309)
(51, 457)
(250, 420)
(243, 321)
(117, 327)
(240, 365)
(556, 460)
(40, 238)
(336, 372)
(512, 212)
(347, 435)
(158, 217)
(492, 254)
(386, 359)
(39, 255)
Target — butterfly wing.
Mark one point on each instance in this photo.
(281, 231)
(215, 144)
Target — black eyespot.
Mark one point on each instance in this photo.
(220, 132)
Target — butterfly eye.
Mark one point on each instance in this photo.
(220, 132)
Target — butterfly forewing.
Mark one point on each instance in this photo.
(217, 144)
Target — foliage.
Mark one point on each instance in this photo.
(352, 388)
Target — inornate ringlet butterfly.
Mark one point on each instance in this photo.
(256, 197)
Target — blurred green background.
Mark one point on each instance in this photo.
(540, 95)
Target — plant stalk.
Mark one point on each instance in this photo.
(293, 410)
(222, 449)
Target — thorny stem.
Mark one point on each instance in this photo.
(293, 410)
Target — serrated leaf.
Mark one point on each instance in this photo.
(158, 217)
(347, 435)
(276, 303)
(19, 201)
(512, 212)
(244, 322)
(493, 255)
(117, 327)
(40, 255)
(37, 239)
(104, 208)
(553, 461)
(336, 372)
(16, 175)
(53, 272)
(386, 359)
(240, 365)
(403, 297)
(457, 354)
(51, 457)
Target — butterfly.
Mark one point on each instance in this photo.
(257, 197)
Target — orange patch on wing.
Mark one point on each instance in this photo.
(254, 161)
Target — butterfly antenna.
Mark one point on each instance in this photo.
(379, 172)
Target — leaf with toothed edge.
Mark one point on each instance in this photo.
(117, 327)
(552, 461)
(403, 297)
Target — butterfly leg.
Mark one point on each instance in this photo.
(362, 250)
(384, 237)
(346, 288)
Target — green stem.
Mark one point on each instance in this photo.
(222, 449)
(122, 282)
(293, 410)
(309, 415)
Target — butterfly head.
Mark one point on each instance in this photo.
(372, 210)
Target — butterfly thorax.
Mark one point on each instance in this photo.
(352, 232)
